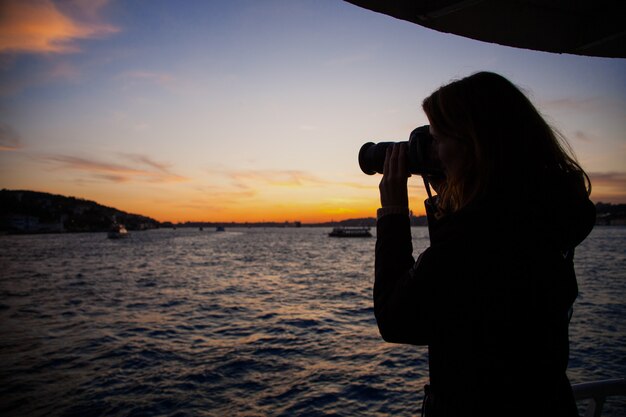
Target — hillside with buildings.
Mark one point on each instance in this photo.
(36, 212)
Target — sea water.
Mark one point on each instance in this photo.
(247, 322)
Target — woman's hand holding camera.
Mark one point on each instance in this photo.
(393, 185)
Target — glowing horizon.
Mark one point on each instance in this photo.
(255, 111)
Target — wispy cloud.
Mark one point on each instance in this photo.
(589, 104)
(10, 140)
(569, 104)
(145, 160)
(42, 26)
(583, 136)
(113, 178)
(142, 169)
(615, 179)
(218, 199)
(608, 187)
(285, 178)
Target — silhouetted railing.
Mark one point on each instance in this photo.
(597, 392)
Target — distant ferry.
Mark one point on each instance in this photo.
(350, 232)
(117, 231)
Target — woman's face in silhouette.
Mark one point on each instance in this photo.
(451, 152)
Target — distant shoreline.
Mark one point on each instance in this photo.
(32, 212)
(227, 228)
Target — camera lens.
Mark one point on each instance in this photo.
(372, 157)
(421, 156)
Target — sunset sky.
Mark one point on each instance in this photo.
(255, 110)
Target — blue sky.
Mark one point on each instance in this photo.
(215, 110)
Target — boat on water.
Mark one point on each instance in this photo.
(117, 231)
(361, 231)
(220, 229)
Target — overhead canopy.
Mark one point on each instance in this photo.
(581, 27)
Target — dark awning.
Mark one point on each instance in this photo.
(581, 27)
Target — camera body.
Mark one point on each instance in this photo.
(422, 158)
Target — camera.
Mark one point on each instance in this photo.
(422, 158)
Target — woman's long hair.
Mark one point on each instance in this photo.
(511, 149)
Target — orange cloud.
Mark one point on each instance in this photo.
(286, 178)
(114, 172)
(608, 187)
(39, 26)
(212, 203)
(143, 159)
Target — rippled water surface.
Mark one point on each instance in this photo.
(245, 322)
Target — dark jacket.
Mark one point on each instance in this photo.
(491, 298)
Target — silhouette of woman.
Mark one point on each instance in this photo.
(492, 295)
